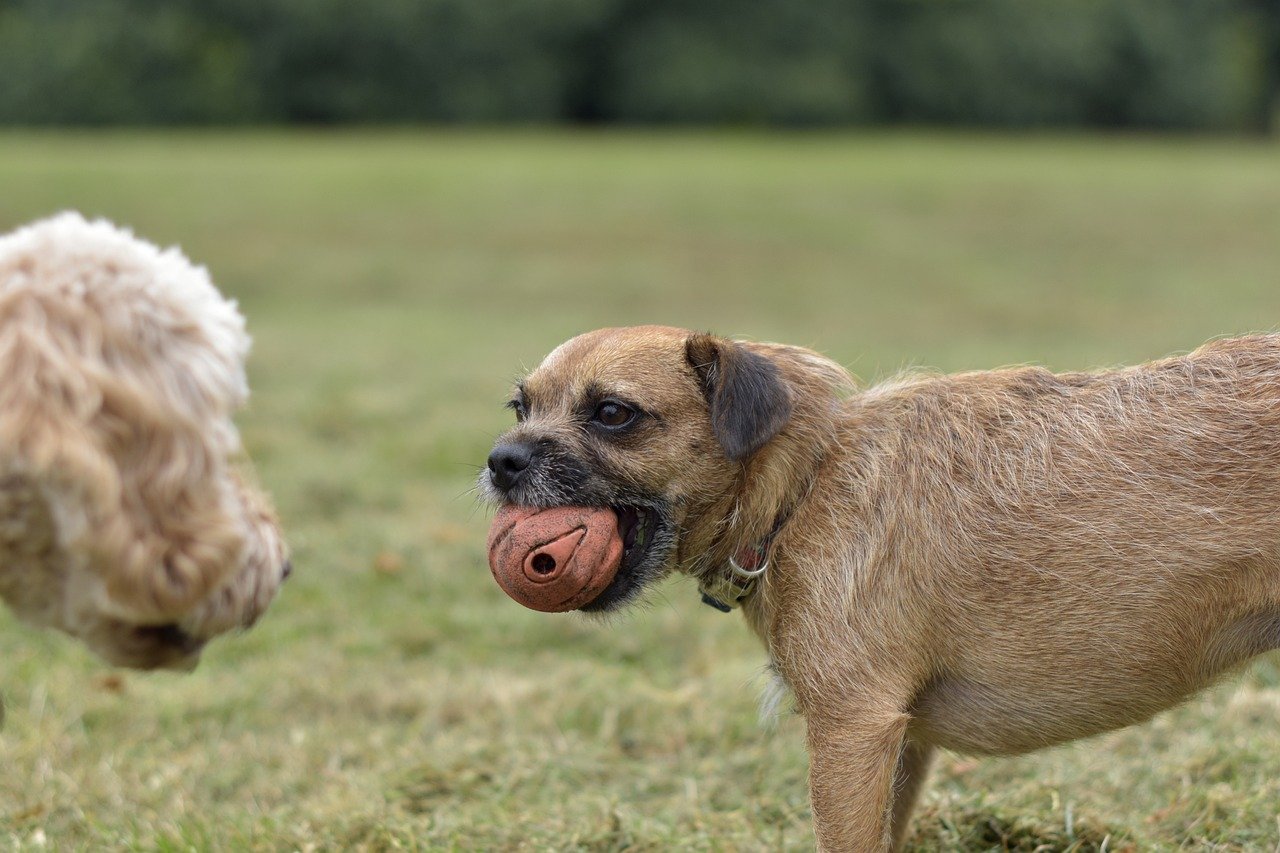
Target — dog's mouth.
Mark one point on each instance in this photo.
(170, 635)
(166, 646)
(635, 527)
(643, 529)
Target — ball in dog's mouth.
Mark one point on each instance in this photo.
(560, 558)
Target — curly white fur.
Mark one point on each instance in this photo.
(122, 520)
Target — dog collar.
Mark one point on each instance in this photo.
(727, 589)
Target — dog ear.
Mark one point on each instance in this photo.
(749, 400)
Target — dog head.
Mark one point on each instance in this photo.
(696, 442)
(127, 518)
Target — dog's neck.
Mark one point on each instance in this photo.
(735, 582)
(772, 484)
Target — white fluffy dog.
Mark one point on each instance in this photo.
(123, 520)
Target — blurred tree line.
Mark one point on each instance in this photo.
(1205, 64)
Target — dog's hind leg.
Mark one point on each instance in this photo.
(908, 780)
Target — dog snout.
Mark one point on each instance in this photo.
(286, 570)
(508, 462)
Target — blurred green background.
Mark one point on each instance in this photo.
(539, 169)
(1195, 64)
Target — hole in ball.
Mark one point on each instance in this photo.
(544, 564)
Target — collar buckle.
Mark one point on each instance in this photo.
(726, 591)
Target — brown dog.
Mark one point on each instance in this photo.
(990, 562)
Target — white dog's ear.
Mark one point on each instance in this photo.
(46, 407)
(133, 482)
(177, 501)
(747, 395)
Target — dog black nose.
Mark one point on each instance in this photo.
(508, 462)
(286, 570)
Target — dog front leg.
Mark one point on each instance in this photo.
(913, 768)
(852, 761)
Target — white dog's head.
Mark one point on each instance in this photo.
(123, 518)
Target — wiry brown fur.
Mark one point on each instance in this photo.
(989, 562)
(121, 510)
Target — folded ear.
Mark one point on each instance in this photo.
(749, 400)
(45, 409)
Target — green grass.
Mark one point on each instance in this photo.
(396, 282)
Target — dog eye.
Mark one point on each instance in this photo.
(613, 414)
(519, 408)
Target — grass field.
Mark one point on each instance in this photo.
(393, 697)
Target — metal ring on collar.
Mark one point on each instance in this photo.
(747, 574)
